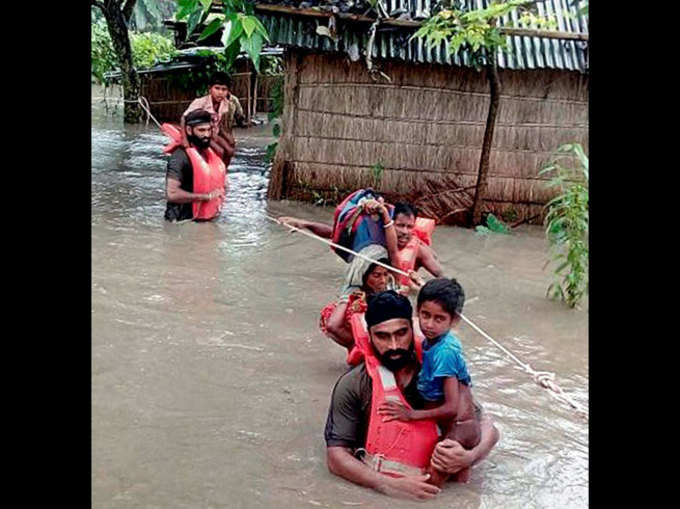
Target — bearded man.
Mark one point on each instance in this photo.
(179, 179)
(354, 431)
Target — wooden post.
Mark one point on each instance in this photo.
(483, 172)
(248, 102)
(278, 175)
(255, 97)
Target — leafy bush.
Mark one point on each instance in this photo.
(101, 51)
(567, 223)
(493, 225)
(147, 50)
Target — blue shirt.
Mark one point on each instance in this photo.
(440, 360)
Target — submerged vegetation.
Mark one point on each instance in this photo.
(493, 225)
(567, 223)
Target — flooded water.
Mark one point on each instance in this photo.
(211, 382)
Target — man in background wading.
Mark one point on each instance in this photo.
(179, 179)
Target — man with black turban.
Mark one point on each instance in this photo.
(179, 179)
(389, 321)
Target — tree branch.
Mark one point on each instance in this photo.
(127, 9)
(101, 6)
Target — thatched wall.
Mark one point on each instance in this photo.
(425, 128)
(168, 100)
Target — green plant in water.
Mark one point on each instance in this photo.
(377, 171)
(567, 223)
(493, 225)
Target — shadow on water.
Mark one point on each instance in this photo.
(211, 382)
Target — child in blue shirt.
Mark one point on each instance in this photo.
(443, 381)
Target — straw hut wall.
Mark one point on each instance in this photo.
(168, 99)
(425, 128)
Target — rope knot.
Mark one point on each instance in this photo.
(546, 379)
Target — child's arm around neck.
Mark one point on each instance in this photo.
(446, 411)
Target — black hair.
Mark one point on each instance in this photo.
(221, 78)
(371, 268)
(385, 306)
(196, 117)
(404, 208)
(446, 292)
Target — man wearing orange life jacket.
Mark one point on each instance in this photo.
(412, 252)
(390, 456)
(179, 183)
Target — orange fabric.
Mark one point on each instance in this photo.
(424, 228)
(209, 173)
(407, 443)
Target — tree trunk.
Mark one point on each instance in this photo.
(118, 30)
(483, 173)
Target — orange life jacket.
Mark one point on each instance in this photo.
(422, 232)
(395, 448)
(209, 174)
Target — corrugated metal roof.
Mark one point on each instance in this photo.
(392, 42)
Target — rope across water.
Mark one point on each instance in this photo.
(545, 379)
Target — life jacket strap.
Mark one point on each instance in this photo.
(379, 463)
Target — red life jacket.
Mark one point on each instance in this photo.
(422, 232)
(209, 174)
(395, 448)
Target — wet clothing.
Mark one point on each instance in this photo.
(441, 359)
(356, 303)
(179, 168)
(352, 288)
(350, 408)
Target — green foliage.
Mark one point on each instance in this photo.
(509, 215)
(493, 225)
(102, 56)
(274, 117)
(242, 30)
(149, 15)
(271, 151)
(151, 48)
(377, 171)
(197, 79)
(567, 223)
(582, 6)
(475, 30)
(147, 50)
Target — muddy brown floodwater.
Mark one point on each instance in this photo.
(211, 381)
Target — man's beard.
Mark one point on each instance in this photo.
(199, 142)
(396, 363)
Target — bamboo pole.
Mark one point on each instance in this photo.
(255, 98)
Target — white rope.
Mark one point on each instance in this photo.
(142, 101)
(337, 246)
(544, 379)
(148, 112)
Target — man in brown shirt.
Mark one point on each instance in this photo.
(225, 110)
